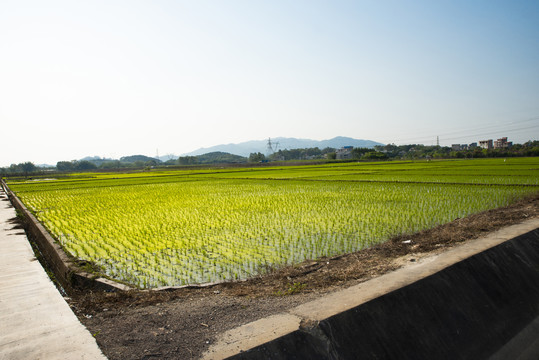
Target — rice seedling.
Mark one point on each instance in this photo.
(183, 227)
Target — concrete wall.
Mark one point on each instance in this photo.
(486, 306)
(66, 272)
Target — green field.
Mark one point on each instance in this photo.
(166, 228)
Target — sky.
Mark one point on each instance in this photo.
(115, 78)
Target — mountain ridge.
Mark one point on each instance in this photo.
(254, 146)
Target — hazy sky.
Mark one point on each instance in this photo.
(114, 78)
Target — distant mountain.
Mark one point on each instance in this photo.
(135, 158)
(167, 157)
(94, 158)
(254, 146)
(220, 158)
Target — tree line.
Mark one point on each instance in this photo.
(392, 151)
(405, 152)
(379, 152)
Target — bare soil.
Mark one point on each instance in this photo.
(182, 323)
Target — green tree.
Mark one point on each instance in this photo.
(153, 162)
(85, 165)
(375, 155)
(112, 164)
(357, 153)
(15, 169)
(187, 160)
(256, 157)
(28, 167)
(64, 166)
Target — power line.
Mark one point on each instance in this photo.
(491, 125)
(496, 132)
(483, 130)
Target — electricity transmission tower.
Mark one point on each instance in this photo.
(272, 146)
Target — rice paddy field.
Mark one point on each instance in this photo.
(171, 228)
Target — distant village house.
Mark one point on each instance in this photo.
(461, 147)
(344, 153)
(486, 144)
(501, 143)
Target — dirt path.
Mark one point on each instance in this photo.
(180, 324)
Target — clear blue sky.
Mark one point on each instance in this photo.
(114, 78)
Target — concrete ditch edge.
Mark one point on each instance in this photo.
(66, 272)
(478, 300)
